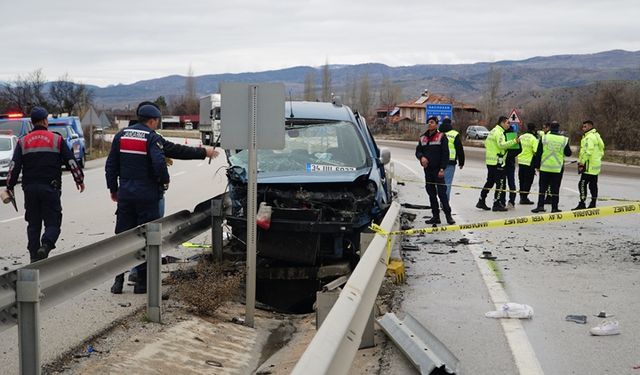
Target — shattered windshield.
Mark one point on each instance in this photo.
(323, 147)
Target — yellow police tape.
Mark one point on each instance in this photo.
(513, 191)
(590, 213)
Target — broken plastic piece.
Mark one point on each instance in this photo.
(580, 319)
(512, 310)
(263, 218)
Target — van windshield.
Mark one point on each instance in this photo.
(15, 127)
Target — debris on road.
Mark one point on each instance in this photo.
(580, 319)
(512, 310)
(606, 328)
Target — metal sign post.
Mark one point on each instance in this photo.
(252, 118)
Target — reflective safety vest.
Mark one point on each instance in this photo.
(529, 144)
(451, 136)
(591, 152)
(553, 152)
(495, 147)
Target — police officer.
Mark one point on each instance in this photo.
(137, 176)
(40, 156)
(589, 164)
(510, 166)
(456, 153)
(433, 152)
(495, 151)
(526, 171)
(549, 159)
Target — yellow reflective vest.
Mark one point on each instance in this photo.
(553, 152)
(529, 144)
(451, 137)
(495, 147)
(591, 152)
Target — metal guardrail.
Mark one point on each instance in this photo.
(336, 343)
(41, 285)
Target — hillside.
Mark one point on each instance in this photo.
(465, 82)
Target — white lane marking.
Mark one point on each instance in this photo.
(12, 219)
(523, 354)
(200, 164)
(571, 190)
(178, 174)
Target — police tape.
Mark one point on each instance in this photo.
(590, 213)
(547, 194)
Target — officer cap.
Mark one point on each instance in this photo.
(149, 111)
(555, 125)
(38, 113)
(446, 121)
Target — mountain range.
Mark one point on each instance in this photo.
(466, 82)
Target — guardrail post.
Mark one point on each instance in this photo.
(216, 229)
(28, 298)
(153, 234)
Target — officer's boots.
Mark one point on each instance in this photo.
(434, 220)
(450, 220)
(43, 251)
(580, 206)
(592, 204)
(482, 205)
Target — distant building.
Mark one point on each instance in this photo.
(416, 110)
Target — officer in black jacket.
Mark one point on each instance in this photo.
(40, 156)
(433, 152)
(137, 177)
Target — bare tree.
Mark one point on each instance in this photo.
(494, 78)
(352, 93)
(69, 97)
(390, 94)
(326, 82)
(364, 103)
(310, 86)
(190, 100)
(25, 92)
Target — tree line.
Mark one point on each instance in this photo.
(60, 96)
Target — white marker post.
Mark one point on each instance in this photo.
(252, 118)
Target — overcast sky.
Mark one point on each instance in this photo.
(116, 41)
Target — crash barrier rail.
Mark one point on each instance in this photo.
(336, 343)
(27, 291)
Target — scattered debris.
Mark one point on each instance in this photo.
(5, 268)
(410, 247)
(487, 255)
(580, 319)
(237, 320)
(437, 252)
(606, 328)
(464, 241)
(603, 314)
(125, 304)
(512, 310)
(415, 206)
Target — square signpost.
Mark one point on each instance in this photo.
(252, 118)
(441, 111)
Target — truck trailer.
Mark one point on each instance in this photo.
(210, 119)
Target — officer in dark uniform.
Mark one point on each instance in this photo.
(433, 152)
(137, 177)
(40, 156)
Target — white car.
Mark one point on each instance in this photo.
(7, 146)
(477, 132)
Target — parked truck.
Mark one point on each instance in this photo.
(210, 119)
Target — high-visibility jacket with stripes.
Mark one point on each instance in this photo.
(451, 137)
(496, 146)
(529, 144)
(553, 152)
(591, 152)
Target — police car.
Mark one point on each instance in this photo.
(73, 141)
(15, 124)
(8, 144)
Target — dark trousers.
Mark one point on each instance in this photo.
(526, 173)
(510, 176)
(130, 214)
(42, 204)
(436, 189)
(590, 181)
(495, 176)
(551, 181)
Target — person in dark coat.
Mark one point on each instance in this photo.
(433, 153)
(40, 156)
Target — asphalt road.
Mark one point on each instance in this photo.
(559, 269)
(87, 218)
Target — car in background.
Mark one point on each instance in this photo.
(324, 188)
(73, 140)
(477, 132)
(15, 124)
(76, 126)
(8, 145)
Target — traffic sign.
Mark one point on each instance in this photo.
(514, 117)
(441, 111)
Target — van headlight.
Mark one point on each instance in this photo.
(4, 162)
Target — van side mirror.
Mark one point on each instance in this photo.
(74, 136)
(385, 155)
